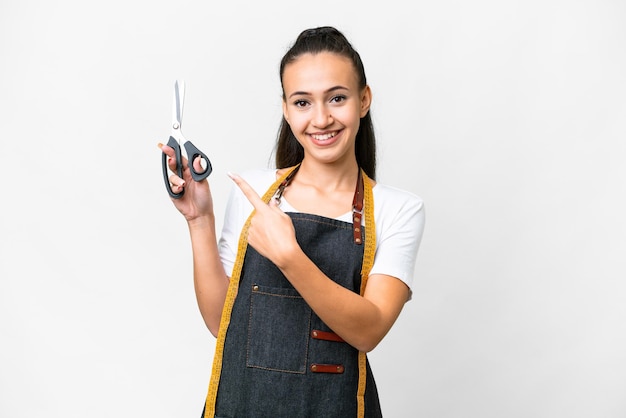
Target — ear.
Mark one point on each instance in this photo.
(285, 111)
(366, 100)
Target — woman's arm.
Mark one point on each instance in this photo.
(210, 280)
(196, 205)
(362, 321)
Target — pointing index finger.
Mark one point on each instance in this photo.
(248, 191)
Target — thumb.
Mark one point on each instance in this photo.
(197, 164)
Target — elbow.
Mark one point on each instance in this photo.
(366, 348)
(212, 325)
(366, 338)
(367, 344)
(214, 331)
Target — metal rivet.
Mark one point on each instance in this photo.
(357, 229)
(313, 367)
(358, 240)
(314, 333)
(339, 369)
(255, 288)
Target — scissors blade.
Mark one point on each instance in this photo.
(179, 99)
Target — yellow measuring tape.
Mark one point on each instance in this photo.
(233, 287)
(368, 261)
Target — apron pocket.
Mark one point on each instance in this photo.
(278, 331)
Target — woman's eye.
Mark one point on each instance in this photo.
(338, 99)
(300, 103)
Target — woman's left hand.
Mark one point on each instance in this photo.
(271, 231)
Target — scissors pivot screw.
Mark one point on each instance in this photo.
(176, 126)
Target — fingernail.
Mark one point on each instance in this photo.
(232, 175)
(160, 145)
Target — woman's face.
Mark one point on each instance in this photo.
(323, 105)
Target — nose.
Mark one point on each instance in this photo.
(322, 117)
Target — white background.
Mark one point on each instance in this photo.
(507, 117)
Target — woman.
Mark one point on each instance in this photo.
(315, 259)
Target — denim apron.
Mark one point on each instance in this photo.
(274, 356)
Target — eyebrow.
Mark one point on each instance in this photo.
(330, 90)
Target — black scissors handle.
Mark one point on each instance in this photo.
(192, 154)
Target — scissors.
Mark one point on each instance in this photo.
(176, 137)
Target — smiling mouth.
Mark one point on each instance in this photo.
(324, 137)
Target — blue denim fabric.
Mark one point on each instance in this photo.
(268, 349)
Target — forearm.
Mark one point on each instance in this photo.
(210, 280)
(361, 322)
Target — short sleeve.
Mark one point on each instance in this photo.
(227, 244)
(400, 222)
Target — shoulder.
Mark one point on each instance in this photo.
(397, 211)
(390, 200)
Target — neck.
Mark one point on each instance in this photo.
(328, 176)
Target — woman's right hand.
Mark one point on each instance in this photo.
(196, 202)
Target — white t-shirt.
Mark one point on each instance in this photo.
(398, 215)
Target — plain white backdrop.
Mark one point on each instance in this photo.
(507, 117)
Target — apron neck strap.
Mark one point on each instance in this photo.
(357, 201)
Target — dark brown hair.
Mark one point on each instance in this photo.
(289, 152)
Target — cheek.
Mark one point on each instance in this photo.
(349, 116)
(296, 121)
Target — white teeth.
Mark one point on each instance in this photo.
(324, 137)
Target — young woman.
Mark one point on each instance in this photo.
(315, 259)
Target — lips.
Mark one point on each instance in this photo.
(324, 139)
